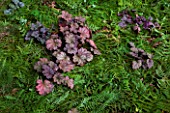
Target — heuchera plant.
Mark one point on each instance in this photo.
(71, 46)
(138, 22)
(142, 59)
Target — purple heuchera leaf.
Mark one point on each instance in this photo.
(84, 33)
(35, 26)
(136, 28)
(43, 30)
(45, 87)
(71, 48)
(122, 24)
(35, 34)
(53, 44)
(92, 44)
(66, 16)
(53, 65)
(74, 27)
(136, 64)
(135, 55)
(95, 51)
(82, 56)
(149, 63)
(69, 82)
(58, 78)
(139, 20)
(70, 38)
(79, 60)
(64, 29)
(61, 56)
(38, 65)
(148, 25)
(131, 44)
(50, 44)
(28, 35)
(127, 19)
(134, 49)
(47, 71)
(66, 65)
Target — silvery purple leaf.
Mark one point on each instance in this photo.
(136, 28)
(131, 44)
(66, 16)
(70, 38)
(71, 48)
(53, 44)
(64, 29)
(122, 24)
(38, 65)
(28, 35)
(84, 32)
(35, 34)
(69, 82)
(47, 71)
(56, 52)
(95, 51)
(141, 50)
(135, 55)
(143, 18)
(43, 30)
(133, 49)
(144, 66)
(89, 57)
(59, 78)
(139, 20)
(149, 63)
(53, 65)
(124, 18)
(148, 25)
(62, 56)
(66, 65)
(80, 60)
(92, 44)
(136, 64)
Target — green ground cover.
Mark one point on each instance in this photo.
(108, 84)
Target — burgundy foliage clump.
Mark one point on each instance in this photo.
(142, 58)
(138, 22)
(71, 46)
